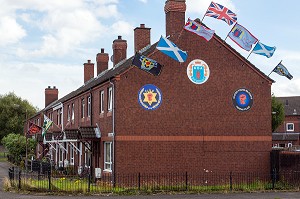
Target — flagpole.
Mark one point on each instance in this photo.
(252, 50)
(274, 68)
(204, 14)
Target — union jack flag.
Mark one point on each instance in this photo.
(220, 12)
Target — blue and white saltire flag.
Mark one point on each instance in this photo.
(169, 48)
(264, 50)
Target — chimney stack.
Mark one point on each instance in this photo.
(175, 16)
(119, 50)
(102, 61)
(51, 95)
(88, 71)
(141, 37)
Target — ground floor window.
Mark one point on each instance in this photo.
(107, 156)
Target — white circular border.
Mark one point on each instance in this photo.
(202, 63)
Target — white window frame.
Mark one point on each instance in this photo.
(69, 113)
(101, 101)
(89, 106)
(73, 112)
(108, 163)
(287, 127)
(109, 99)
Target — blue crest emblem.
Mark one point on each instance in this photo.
(198, 71)
(150, 97)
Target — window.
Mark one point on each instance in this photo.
(101, 101)
(38, 122)
(289, 126)
(82, 108)
(69, 113)
(107, 156)
(89, 107)
(109, 99)
(59, 116)
(73, 109)
(71, 154)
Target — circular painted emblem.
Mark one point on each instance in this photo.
(198, 71)
(242, 99)
(150, 97)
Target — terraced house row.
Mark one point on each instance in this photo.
(211, 112)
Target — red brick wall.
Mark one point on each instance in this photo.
(188, 109)
(290, 119)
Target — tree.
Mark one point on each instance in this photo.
(277, 113)
(16, 146)
(13, 113)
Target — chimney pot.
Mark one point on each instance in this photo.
(102, 50)
(89, 61)
(141, 37)
(142, 25)
(102, 61)
(119, 37)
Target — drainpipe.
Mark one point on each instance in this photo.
(113, 129)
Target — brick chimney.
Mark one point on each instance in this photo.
(51, 95)
(141, 37)
(119, 50)
(88, 70)
(102, 61)
(175, 16)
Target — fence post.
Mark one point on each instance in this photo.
(49, 180)
(273, 178)
(186, 181)
(89, 183)
(19, 186)
(139, 181)
(230, 179)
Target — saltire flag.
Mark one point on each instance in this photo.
(46, 125)
(280, 69)
(220, 12)
(147, 64)
(264, 50)
(242, 37)
(199, 30)
(33, 129)
(169, 48)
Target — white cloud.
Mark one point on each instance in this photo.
(122, 28)
(10, 31)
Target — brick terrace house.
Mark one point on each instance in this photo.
(195, 126)
(287, 134)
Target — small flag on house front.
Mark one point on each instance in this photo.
(169, 48)
(147, 64)
(264, 50)
(242, 37)
(199, 30)
(280, 69)
(33, 129)
(46, 125)
(220, 12)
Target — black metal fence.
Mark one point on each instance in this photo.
(120, 183)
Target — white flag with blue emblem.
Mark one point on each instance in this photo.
(264, 50)
(169, 48)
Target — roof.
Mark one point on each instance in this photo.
(88, 132)
(291, 105)
(285, 136)
(127, 63)
(72, 134)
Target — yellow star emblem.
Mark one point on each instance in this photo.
(150, 97)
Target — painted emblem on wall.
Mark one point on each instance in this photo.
(198, 71)
(150, 97)
(242, 99)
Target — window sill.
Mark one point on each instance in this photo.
(109, 114)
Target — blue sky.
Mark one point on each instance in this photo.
(45, 42)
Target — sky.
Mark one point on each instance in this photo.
(45, 42)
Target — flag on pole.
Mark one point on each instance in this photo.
(46, 125)
(169, 48)
(147, 64)
(33, 129)
(220, 12)
(199, 30)
(264, 50)
(242, 37)
(280, 69)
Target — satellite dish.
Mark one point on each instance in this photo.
(112, 58)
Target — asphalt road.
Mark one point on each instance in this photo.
(269, 195)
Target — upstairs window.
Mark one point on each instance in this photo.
(73, 114)
(109, 99)
(89, 107)
(82, 108)
(289, 126)
(101, 101)
(69, 113)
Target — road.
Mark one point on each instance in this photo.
(269, 195)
